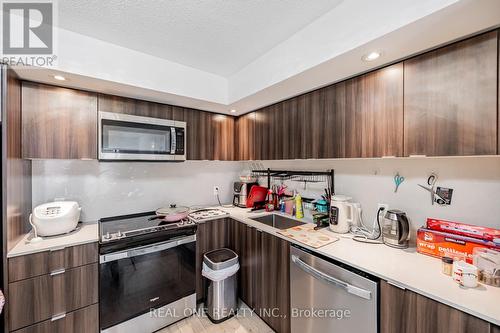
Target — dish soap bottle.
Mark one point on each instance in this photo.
(299, 211)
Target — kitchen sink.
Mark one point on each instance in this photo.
(277, 221)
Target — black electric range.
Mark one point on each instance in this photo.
(146, 267)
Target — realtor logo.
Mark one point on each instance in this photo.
(27, 28)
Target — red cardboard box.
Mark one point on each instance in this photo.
(442, 244)
(463, 229)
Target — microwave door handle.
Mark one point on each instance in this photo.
(173, 141)
(360, 292)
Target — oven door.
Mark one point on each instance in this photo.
(128, 137)
(135, 281)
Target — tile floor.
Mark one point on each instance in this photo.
(244, 322)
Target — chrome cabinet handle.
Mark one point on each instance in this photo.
(59, 316)
(360, 292)
(57, 272)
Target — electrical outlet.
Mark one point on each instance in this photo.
(384, 206)
(216, 190)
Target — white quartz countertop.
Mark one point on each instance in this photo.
(85, 233)
(403, 268)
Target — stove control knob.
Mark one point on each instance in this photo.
(107, 236)
(119, 234)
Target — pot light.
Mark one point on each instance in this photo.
(233, 111)
(371, 56)
(59, 78)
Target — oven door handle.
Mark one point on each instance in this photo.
(104, 258)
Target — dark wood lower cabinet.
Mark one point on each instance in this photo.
(274, 293)
(85, 320)
(403, 311)
(263, 279)
(31, 265)
(43, 297)
(210, 235)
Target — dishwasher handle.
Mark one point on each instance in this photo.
(360, 292)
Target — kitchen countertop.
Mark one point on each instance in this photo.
(402, 268)
(85, 233)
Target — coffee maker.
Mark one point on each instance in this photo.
(240, 193)
(396, 229)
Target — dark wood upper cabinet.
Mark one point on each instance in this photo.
(223, 137)
(244, 145)
(262, 139)
(58, 122)
(116, 104)
(403, 311)
(450, 99)
(336, 129)
(374, 113)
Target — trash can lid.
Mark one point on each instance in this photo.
(220, 258)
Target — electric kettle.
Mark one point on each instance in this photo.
(341, 214)
(396, 229)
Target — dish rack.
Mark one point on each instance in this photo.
(298, 176)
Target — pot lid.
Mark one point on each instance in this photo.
(172, 210)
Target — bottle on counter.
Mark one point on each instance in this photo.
(299, 210)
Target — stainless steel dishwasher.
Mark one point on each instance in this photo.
(330, 297)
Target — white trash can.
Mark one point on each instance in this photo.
(220, 267)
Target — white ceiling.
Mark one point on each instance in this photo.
(216, 36)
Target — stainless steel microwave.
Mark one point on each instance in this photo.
(135, 138)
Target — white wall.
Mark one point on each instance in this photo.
(475, 180)
(108, 189)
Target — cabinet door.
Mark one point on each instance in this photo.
(31, 265)
(450, 99)
(245, 137)
(117, 104)
(223, 137)
(262, 130)
(275, 282)
(210, 235)
(58, 122)
(40, 298)
(374, 113)
(291, 129)
(403, 311)
(85, 320)
(334, 130)
(200, 141)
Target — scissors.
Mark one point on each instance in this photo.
(431, 181)
(398, 180)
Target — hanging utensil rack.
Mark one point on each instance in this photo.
(299, 176)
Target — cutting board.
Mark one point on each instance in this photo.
(306, 234)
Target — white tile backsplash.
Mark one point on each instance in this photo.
(114, 188)
(106, 189)
(475, 180)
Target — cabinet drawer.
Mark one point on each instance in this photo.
(81, 321)
(47, 296)
(41, 263)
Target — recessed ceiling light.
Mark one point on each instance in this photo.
(233, 111)
(371, 56)
(59, 78)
